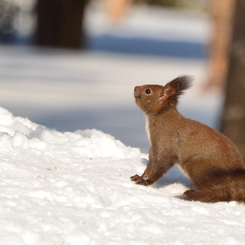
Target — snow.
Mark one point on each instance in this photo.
(74, 188)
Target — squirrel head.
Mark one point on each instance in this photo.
(153, 99)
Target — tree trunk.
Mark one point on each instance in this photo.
(60, 23)
(221, 16)
(233, 123)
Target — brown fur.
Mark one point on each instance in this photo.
(209, 159)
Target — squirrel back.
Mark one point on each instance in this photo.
(209, 159)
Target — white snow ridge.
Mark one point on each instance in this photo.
(74, 188)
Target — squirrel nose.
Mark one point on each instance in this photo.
(137, 92)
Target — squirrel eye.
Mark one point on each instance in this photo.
(148, 91)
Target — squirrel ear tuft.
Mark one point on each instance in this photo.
(181, 83)
(176, 87)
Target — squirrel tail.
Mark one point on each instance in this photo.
(229, 187)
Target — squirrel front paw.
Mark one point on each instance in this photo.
(141, 180)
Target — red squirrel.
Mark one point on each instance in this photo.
(206, 156)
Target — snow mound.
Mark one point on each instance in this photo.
(74, 188)
(88, 144)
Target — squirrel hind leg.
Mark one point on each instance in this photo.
(202, 196)
(195, 195)
(215, 195)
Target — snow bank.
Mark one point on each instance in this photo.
(74, 188)
(87, 144)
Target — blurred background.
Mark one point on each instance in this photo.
(69, 64)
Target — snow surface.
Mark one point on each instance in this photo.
(74, 188)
